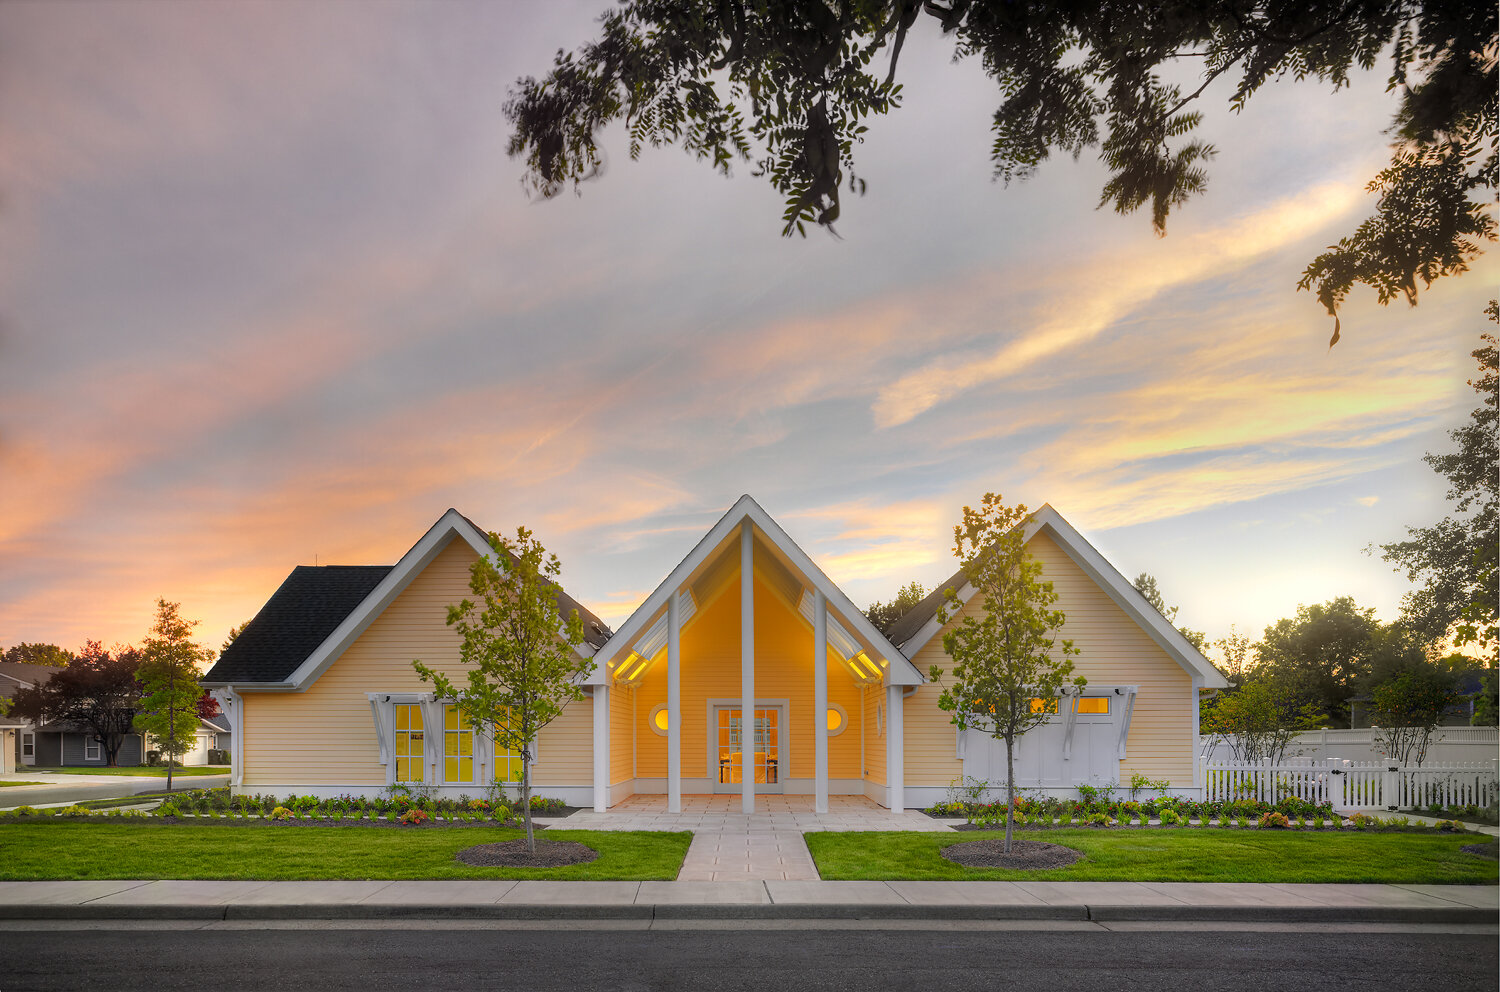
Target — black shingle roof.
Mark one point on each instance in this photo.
(299, 616)
(913, 619)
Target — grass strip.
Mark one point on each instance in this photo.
(5, 784)
(141, 771)
(47, 851)
(1185, 855)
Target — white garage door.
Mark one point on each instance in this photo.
(1039, 754)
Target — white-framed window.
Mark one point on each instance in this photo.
(28, 745)
(838, 719)
(91, 750)
(458, 747)
(657, 721)
(410, 749)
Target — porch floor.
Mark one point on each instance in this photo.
(729, 845)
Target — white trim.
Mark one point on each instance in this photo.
(899, 670)
(895, 748)
(747, 666)
(651, 722)
(674, 703)
(601, 748)
(1118, 588)
(783, 706)
(1129, 692)
(843, 717)
(89, 744)
(820, 703)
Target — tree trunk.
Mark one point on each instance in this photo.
(526, 798)
(1010, 788)
(171, 736)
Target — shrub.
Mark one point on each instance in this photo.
(1274, 821)
(74, 810)
(168, 808)
(414, 817)
(1361, 821)
(1169, 817)
(1451, 826)
(281, 813)
(1098, 819)
(303, 804)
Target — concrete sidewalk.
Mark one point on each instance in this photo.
(1076, 901)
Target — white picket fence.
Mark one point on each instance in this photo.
(1354, 785)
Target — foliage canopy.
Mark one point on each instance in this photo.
(789, 85)
(97, 689)
(168, 675)
(884, 615)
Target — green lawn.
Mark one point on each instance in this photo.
(157, 772)
(4, 784)
(34, 851)
(1186, 855)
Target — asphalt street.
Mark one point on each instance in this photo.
(59, 790)
(805, 959)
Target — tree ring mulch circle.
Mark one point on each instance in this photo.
(1025, 855)
(513, 854)
(1487, 851)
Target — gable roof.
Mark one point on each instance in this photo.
(920, 624)
(298, 617)
(899, 671)
(16, 675)
(320, 610)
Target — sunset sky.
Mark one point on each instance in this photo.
(272, 294)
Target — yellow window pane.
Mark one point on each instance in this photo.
(465, 743)
(416, 717)
(1093, 704)
(1044, 706)
(661, 719)
(835, 719)
(401, 723)
(450, 718)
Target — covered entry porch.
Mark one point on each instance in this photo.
(747, 673)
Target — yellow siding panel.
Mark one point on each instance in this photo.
(326, 736)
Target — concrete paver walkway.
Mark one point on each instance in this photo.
(730, 845)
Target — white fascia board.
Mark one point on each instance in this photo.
(1126, 596)
(899, 672)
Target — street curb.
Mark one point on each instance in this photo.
(759, 911)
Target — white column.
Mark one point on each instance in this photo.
(820, 702)
(894, 748)
(674, 705)
(601, 748)
(747, 666)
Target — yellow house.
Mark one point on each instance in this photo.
(746, 671)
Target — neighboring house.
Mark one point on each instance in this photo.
(18, 741)
(64, 743)
(321, 697)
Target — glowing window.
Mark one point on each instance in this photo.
(1093, 704)
(1044, 705)
(837, 719)
(408, 742)
(659, 720)
(508, 763)
(458, 746)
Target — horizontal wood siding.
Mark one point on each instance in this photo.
(326, 736)
(783, 670)
(1114, 651)
(873, 699)
(622, 728)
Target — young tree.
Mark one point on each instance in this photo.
(1455, 559)
(1145, 584)
(791, 86)
(1408, 707)
(169, 679)
(883, 615)
(1005, 678)
(1258, 719)
(98, 689)
(1487, 702)
(521, 653)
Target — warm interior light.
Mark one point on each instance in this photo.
(661, 719)
(835, 719)
(1093, 704)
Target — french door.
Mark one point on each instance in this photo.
(738, 748)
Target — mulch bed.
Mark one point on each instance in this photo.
(513, 854)
(1490, 851)
(1025, 855)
